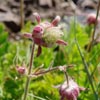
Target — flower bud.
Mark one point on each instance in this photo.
(37, 31)
(21, 70)
(69, 91)
(91, 19)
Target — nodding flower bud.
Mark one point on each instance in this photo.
(37, 16)
(56, 21)
(37, 31)
(69, 91)
(21, 70)
(91, 19)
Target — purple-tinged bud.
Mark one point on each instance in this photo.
(21, 70)
(56, 21)
(91, 19)
(69, 91)
(37, 16)
(37, 31)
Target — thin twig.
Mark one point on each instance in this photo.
(85, 64)
(95, 25)
(29, 72)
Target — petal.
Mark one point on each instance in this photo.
(82, 88)
(37, 16)
(61, 42)
(39, 51)
(74, 97)
(56, 21)
(62, 98)
(28, 35)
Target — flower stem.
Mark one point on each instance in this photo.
(85, 63)
(66, 76)
(22, 13)
(93, 34)
(29, 73)
(87, 71)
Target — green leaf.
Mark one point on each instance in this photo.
(3, 37)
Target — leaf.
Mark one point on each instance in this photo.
(3, 37)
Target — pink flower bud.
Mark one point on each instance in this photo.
(91, 19)
(69, 91)
(37, 31)
(21, 70)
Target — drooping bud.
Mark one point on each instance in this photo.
(37, 16)
(56, 21)
(69, 91)
(21, 70)
(91, 19)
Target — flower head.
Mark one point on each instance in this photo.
(91, 19)
(46, 34)
(69, 91)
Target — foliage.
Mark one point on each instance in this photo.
(13, 53)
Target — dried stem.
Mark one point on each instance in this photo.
(95, 25)
(29, 72)
(22, 13)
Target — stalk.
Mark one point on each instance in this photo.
(85, 64)
(22, 13)
(29, 72)
(94, 30)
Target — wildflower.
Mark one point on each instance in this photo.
(70, 91)
(21, 70)
(46, 34)
(91, 19)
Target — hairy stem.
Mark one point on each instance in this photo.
(95, 25)
(29, 73)
(66, 76)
